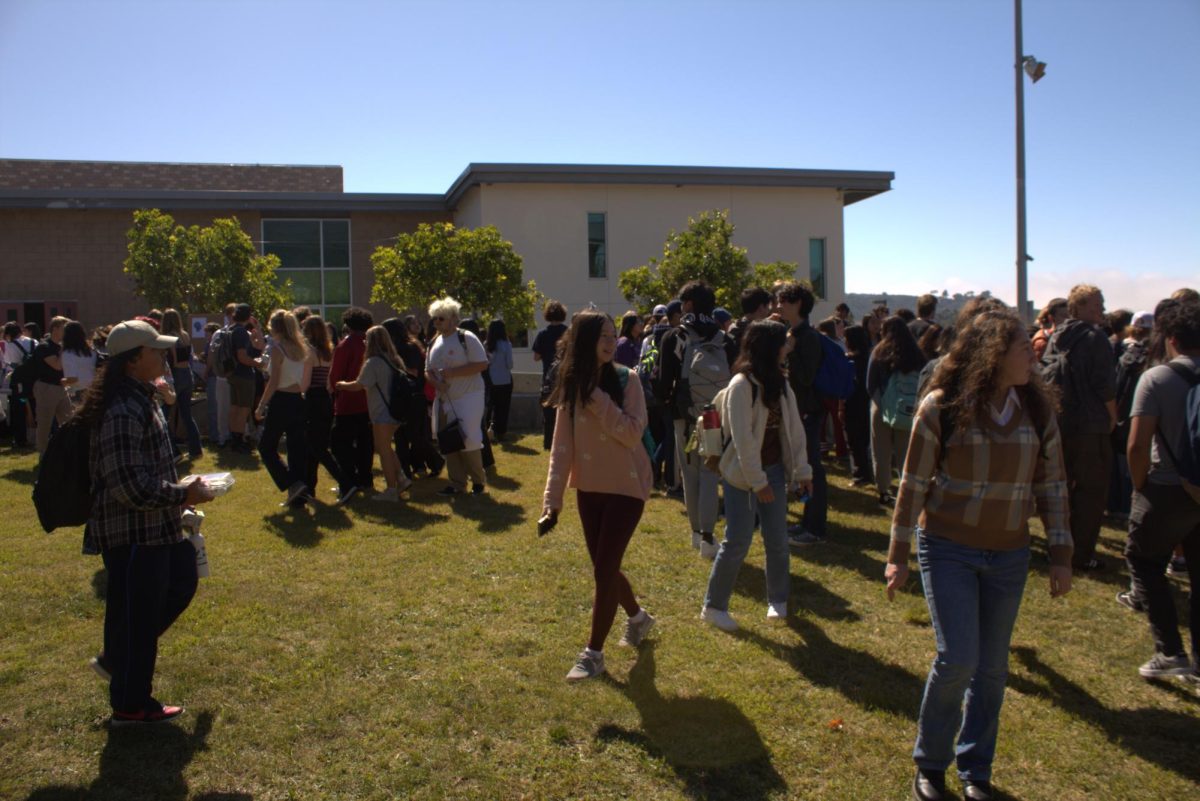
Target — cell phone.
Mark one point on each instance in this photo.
(547, 523)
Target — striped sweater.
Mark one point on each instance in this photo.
(982, 491)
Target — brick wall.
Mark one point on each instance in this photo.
(36, 174)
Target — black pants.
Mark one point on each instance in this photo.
(353, 447)
(1162, 517)
(858, 439)
(285, 415)
(319, 427)
(549, 413)
(1088, 460)
(496, 416)
(149, 586)
(609, 521)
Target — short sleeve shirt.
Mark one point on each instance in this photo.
(45, 372)
(1163, 394)
(448, 352)
(545, 342)
(240, 340)
(376, 377)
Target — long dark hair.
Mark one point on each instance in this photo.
(759, 357)
(858, 342)
(578, 375)
(496, 334)
(897, 349)
(967, 376)
(75, 339)
(317, 334)
(99, 396)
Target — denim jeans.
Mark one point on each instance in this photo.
(285, 415)
(184, 383)
(740, 508)
(699, 484)
(216, 397)
(973, 598)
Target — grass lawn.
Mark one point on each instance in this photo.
(418, 651)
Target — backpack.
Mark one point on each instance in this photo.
(647, 438)
(22, 374)
(1185, 451)
(404, 399)
(1056, 371)
(704, 372)
(1129, 369)
(648, 372)
(835, 376)
(62, 493)
(899, 401)
(224, 361)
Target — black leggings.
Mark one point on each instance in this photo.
(608, 524)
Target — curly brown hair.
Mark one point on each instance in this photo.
(967, 376)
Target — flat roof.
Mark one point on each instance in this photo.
(855, 185)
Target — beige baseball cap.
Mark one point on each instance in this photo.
(136, 334)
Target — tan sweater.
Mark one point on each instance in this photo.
(982, 491)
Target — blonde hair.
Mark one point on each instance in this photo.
(379, 343)
(58, 322)
(446, 307)
(286, 331)
(1079, 295)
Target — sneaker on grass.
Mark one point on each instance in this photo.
(346, 495)
(1130, 601)
(449, 491)
(696, 540)
(588, 665)
(1161, 665)
(708, 550)
(389, 494)
(636, 629)
(803, 537)
(158, 713)
(719, 618)
(776, 612)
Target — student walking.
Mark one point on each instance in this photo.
(282, 408)
(380, 368)
(500, 366)
(766, 457)
(985, 455)
(135, 520)
(352, 438)
(597, 449)
(456, 361)
(858, 408)
(318, 408)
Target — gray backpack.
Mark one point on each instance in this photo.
(704, 371)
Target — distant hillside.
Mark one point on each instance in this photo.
(948, 305)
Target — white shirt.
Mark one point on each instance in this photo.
(448, 352)
(12, 352)
(80, 367)
(1011, 405)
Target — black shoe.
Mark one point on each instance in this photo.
(887, 501)
(347, 494)
(977, 790)
(477, 489)
(929, 785)
(1130, 601)
(448, 492)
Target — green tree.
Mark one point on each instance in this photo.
(200, 269)
(704, 251)
(476, 267)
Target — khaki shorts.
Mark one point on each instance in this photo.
(241, 391)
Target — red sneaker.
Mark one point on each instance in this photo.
(156, 715)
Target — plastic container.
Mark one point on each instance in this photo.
(219, 483)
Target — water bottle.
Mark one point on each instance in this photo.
(197, 541)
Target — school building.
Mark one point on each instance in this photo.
(63, 224)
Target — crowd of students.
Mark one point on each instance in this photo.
(985, 423)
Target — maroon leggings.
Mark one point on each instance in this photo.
(608, 524)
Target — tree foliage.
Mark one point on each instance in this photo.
(198, 270)
(476, 267)
(704, 251)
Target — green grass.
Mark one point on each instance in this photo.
(418, 651)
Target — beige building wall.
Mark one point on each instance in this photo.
(547, 224)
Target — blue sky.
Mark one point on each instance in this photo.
(404, 95)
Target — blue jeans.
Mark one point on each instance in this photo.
(183, 401)
(740, 508)
(973, 598)
(699, 485)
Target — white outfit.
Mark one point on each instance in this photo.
(80, 367)
(464, 398)
(744, 422)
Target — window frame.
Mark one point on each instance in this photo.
(604, 244)
(322, 268)
(819, 290)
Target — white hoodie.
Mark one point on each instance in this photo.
(744, 424)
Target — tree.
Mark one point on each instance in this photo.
(704, 251)
(198, 270)
(476, 267)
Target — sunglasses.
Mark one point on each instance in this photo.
(438, 319)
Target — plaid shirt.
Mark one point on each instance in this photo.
(136, 497)
(982, 490)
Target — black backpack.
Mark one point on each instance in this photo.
(404, 399)
(62, 493)
(1057, 371)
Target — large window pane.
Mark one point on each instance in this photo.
(816, 266)
(333, 314)
(337, 286)
(297, 243)
(337, 243)
(306, 285)
(597, 258)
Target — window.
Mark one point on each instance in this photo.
(816, 266)
(315, 256)
(597, 256)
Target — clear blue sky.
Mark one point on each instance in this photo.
(404, 95)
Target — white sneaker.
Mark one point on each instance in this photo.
(716, 617)
(776, 611)
(696, 540)
(708, 550)
(1161, 665)
(587, 666)
(636, 629)
(389, 494)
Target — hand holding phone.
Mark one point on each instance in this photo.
(547, 522)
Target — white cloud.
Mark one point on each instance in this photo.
(1122, 288)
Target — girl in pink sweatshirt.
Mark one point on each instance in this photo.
(598, 450)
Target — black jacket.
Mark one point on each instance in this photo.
(1093, 372)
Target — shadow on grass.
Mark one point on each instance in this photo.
(20, 475)
(805, 594)
(709, 743)
(143, 763)
(100, 584)
(857, 675)
(302, 528)
(506, 483)
(227, 459)
(493, 516)
(1164, 737)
